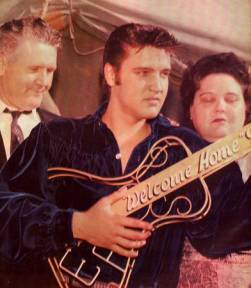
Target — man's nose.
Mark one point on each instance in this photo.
(156, 82)
(43, 77)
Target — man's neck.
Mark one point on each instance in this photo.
(3, 93)
(127, 131)
(3, 105)
(5, 102)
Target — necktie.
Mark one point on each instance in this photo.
(17, 136)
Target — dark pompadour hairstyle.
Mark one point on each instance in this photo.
(227, 63)
(135, 36)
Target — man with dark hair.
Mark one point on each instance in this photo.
(110, 146)
(28, 59)
(28, 54)
(116, 49)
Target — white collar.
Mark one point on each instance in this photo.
(3, 106)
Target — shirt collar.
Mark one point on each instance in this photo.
(3, 106)
(160, 120)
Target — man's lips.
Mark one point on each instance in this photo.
(40, 91)
(152, 99)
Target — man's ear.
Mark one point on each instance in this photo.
(3, 64)
(110, 74)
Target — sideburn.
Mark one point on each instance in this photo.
(117, 77)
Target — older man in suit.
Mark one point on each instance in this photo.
(28, 59)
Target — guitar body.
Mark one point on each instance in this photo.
(89, 266)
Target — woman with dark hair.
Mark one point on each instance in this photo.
(216, 100)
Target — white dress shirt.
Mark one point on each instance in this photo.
(26, 122)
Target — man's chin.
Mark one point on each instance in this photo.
(31, 106)
(152, 114)
(35, 102)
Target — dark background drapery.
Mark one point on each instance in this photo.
(202, 27)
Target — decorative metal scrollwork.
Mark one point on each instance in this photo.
(157, 157)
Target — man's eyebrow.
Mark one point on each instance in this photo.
(142, 68)
(37, 66)
(150, 69)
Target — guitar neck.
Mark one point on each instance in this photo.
(200, 164)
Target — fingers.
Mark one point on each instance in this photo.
(115, 196)
(124, 252)
(129, 244)
(135, 235)
(127, 221)
(127, 248)
(135, 223)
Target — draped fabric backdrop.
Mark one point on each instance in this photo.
(202, 27)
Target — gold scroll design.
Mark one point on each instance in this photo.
(159, 150)
(196, 166)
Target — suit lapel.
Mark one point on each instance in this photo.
(45, 116)
(3, 158)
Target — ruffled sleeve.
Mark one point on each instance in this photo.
(30, 224)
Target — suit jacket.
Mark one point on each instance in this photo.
(14, 280)
(44, 115)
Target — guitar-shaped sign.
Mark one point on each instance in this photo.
(89, 266)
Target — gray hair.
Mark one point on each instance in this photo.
(30, 27)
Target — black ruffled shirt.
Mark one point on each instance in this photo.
(36, 214)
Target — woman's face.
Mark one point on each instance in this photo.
(219, 107)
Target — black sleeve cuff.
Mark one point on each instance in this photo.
(63, 229)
